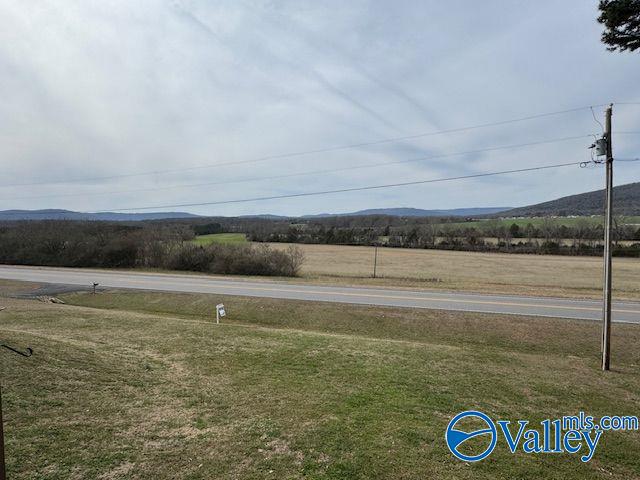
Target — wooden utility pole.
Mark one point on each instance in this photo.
(3, 473)
(375, 260)
(606, 310)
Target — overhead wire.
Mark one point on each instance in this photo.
(329, 149)
(302, 153)
(308, 173)
(596, 120)
(344, 190)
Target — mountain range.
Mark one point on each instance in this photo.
(417, 212)
(54, 214)
(626, 202)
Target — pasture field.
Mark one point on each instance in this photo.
(550, 275)
(220, 238)
(145, 386)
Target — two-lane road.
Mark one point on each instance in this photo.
(506, 304)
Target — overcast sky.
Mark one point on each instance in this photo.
(95, 90)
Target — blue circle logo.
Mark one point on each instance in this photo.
(455, 437)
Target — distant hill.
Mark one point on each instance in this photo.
(52, 214)
(626, 201)
(266, 216)
(417, 212)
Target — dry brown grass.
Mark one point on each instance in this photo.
(553, 275)
(12, 287)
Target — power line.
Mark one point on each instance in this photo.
(596, 120)
(306, 152)
(308, 173)
(344, 190)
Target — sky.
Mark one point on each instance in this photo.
(113, 104)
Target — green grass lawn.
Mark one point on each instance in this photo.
(144, 385)
(220, 238)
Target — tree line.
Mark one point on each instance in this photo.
(550, 235)
(165, 245)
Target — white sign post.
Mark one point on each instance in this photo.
(219, 312)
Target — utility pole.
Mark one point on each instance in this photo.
(606, 310)
(3, 473)
(375, 260)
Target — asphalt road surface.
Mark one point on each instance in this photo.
(628, 312)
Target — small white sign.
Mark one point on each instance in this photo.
(220, 312)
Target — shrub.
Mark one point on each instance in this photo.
(237, 259)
